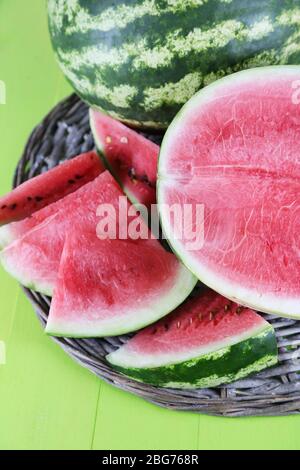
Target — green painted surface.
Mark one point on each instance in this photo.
(46, 400)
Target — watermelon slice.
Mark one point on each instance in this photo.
(206, 342)
(234, 148)
(130, 157)
(49, 187)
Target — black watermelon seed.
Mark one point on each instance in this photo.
(4, 207)
(29, 198)
(145, 179)
(13, 207)
(78, 177)
(71, 181)
(39, 198)
(131, 173)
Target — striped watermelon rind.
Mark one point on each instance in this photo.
(225, 365)
(140, 61)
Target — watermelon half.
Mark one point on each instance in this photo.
(49, 187)
(130, 157)
(234, 149)
(206, 342)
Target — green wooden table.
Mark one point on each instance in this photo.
(46, 400)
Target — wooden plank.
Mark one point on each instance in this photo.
(127, 422)
(47, 400)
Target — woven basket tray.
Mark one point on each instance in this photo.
(64, 133)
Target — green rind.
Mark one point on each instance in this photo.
(223, 366)
(150, 57)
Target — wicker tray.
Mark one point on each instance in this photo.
(65, 133)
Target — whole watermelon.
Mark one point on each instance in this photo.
(141, 60)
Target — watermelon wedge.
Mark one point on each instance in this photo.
(115, 285)
(49, 187)
(130, 157)
(206, 342)
(234, 148)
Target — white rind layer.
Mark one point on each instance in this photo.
(98, 141)
(6, 236)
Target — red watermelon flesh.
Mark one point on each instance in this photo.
(49, 187)
(131, 157)
(34, 258)
(235, 149)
